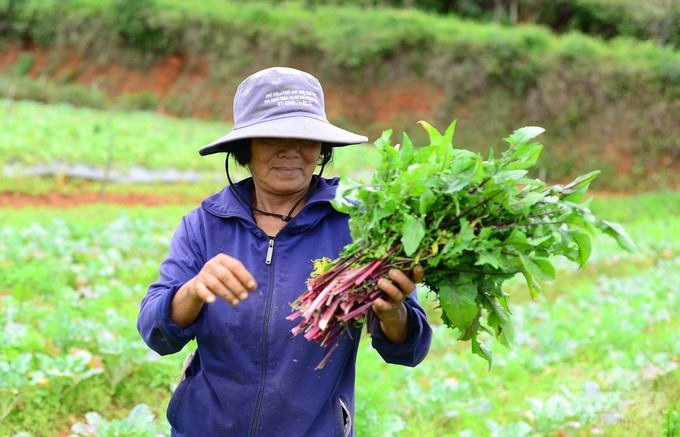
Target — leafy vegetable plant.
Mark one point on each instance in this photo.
(140, 422)
(470, 223)
(671, 423)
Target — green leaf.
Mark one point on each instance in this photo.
(582, 241)
(497, 309)
(506, 333)
(390, 158)
(451, 250)
(412, 234)
(524, 134)
(385, 209)
(448, 135)
(509, 176)
(538, 266)
(478, 348)
(620, 235)
(499, 319)
(464, 169)
(527, 200)
(466, 234)
(517, 236)
(525, 156)
(447, 144)
(491, 257)
(576, 189)
(342, 202)
(426, 200)
(615, 231)
(522, 154)
(435, 135)
(582, 181)
(424, 155)
(457, 184)
(534, 287)
(538, 241)
(458, 302)
(384, 140)
(407, 151)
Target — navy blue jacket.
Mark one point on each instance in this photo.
(250, 376)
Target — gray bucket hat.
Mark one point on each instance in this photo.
(281, 102)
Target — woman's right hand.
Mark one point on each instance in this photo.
(222, 276)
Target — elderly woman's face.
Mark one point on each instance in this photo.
(283, 166)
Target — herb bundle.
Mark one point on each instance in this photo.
(470, 223)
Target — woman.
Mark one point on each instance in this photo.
(239, 261)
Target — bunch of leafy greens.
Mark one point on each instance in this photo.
(471, 223)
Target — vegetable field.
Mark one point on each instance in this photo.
(597, 353)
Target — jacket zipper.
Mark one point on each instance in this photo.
(263, 377)
(270, 251)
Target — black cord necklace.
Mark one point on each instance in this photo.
(286, 218)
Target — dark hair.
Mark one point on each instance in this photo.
(242, 152)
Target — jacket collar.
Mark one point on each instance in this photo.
(227, 204)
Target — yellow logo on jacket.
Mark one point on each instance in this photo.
(319, 266)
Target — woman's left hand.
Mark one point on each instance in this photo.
(390, 309)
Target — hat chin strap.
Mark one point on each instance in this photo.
(286, 218)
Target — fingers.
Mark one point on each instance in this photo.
(203, 292)
(391, 290)
(380, 306)
(401, 283)
(225, 277)
(397, 287)
(418, 274)
(220, 282)
(394, 289)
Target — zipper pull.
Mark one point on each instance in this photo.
(270, 251)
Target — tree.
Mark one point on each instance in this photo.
(499, 10)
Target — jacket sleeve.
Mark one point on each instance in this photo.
(419, 339)
(183, 262)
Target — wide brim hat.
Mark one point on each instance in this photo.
(281, 102)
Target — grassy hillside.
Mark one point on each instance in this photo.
(611, 105)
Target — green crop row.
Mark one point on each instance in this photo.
(58, 137)
(601, 342)
(68, 300)
(53, 139)
(34, 133)
(54, 136)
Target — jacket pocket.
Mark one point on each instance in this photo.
(345, 418)
(186, 371)
(174, 411)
